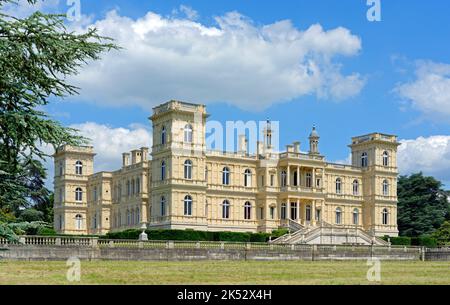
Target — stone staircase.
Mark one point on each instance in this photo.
(327, 234)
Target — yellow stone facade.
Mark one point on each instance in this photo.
(182, 185)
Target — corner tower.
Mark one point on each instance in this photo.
(178, 185)
(73, 166)
(376, 155)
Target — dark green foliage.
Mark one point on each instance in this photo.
(398, 241)
(422, 205)
(279, 233)
(424, 241)
(30, 215)
(37, 56)
(442, 235)
(191, 235)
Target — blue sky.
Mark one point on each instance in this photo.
(400, 68)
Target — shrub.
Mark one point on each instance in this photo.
(399, 241)
(279, 233)
(43, 231)
(424, 241)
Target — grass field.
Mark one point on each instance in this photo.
(225, 272)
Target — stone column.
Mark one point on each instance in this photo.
(313, 178)
(298, 175)
(288, 178)
(313, 213)
(299, 220)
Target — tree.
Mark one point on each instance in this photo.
(422, 205)
(37, 54)
(443, 233)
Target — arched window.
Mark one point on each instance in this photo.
(226, 209)
(355, 188)
(163, 170)
(248, 178)
(188, 206)
(79, 194)
(283, 211)
(133, 185)
(163, 206)
(132, 217)
(283, 178)
(128, 188)
(248, 211)
(188, 169)
(226, 176)
(138, 216)
(79, 168)
(188, 133)
(138, 186)
(385, 158)
(364, 160)
(308, 180)
(163, 135)
(308, 213)
(338, 216)
(356, 217)
(338, 186)
(79, 222)
(385, 188)
(385, 216)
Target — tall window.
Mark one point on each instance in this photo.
(308, 213)
(248, 211)
(120, 191)
(138, 186)
(188, 206)
(128, 217)
(133, 185)
(79, 222)
(385, 216)
(272, 212)
(128, 188)
(338, 216)
(226, 209)
(163, 206)
(283, 178)
(132, 217)
(138, 216)
(163, 135)
(95, 221)
(356, 217)
(293, 210)
(79, 168)
(163, 170)
(338, 186)
(355, 188)
(272, 180)
(283, 211)
(308, 180)
(95, 194)
(248, 178)
(364, 160)
(385, 158)
(296, 179)
(385, 188)
(188, 133)
(226, 176)
(188, 169)
(61, 168)
(79, 195)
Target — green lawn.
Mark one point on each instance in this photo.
(225, 272)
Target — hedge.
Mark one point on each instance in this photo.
(191, 235)
(424, 241)
(398, 241)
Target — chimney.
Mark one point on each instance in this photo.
(297, 147)
(136, 156)
(289, 148)
(125, 159)
(144, 154)
(259, 148)
(242, 144)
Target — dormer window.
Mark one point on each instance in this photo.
(79, 168)
(385, 158)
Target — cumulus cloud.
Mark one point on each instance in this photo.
(430, 91)
(109, 144)
(22, 9)
(430, 155)
(233, 61)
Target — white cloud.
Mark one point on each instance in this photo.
(430, 155)
(188, 11)
(109, 144)
(235, 61)
(430, 91)
(22, 8)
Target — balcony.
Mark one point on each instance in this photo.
(301, 156)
